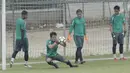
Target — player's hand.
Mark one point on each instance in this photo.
(69, 38)
(125, 32)
(57, 42)
(63, 44)
(86, 38)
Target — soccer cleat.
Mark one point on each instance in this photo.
(56, 67)
(11, 64)
(74, 66)
(76, 62)
(115, 59)
(26, 65)
(82, 62)
(123, 58)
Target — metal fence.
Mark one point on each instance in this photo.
(45, 14)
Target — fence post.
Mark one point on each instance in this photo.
(126, 12)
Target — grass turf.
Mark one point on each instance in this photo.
(106, 66)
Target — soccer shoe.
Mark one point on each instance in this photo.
(76, 62)
(115, 59)
(26, 65)
(74, 66)
(82, 62)
(11, 64)
(123, 58)
(56, 66)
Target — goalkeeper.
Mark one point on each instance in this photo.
(78, 25)
(52, 46)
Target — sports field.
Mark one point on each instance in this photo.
(105, 66)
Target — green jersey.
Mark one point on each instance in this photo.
(117, 22)
(78, 24)
(20, 24)
(51, 52)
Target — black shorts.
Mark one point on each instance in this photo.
(118, 38)
(21, 45)
(57, 58)
(79, 41)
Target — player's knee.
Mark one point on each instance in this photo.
(48, 60)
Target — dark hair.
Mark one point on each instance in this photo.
(79, 10)
(53, 33)
(24, 12)
(117, 7)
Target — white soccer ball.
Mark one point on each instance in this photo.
(62, 39)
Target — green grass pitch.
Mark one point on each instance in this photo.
(105, 66)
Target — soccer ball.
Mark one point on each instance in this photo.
(62, 39)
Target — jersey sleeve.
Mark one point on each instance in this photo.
(111, 20)
(85, 27)
(48, 43)
(72, 26)
(22, 25)
(123, 18)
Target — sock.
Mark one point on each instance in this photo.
(26, 62)
(121, 56)
(114, 55)
(81, 58)
(26, 57)
(76, 58)
(12, 59)
(53, 64)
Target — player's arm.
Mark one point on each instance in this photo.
(52, 45)
(124, 25)
(71, 27)
(86, 38)
(22, 30)
(70, 30)
(63, 44)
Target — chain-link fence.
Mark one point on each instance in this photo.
(45, 14)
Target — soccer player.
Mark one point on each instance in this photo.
(118, 30)
(52, 46)
(21, 39)
(78, 25)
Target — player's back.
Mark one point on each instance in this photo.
(19, 22)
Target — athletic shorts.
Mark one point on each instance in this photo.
(79, 40)
(21, 45)
(118, 38)
(57, 58)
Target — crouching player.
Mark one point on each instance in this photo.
(52, 46)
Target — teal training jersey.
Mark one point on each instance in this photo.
(51, 51)
(79, 26)
(117, 22)
(20, 24)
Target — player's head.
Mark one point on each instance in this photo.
(24, 14)
(116, 9)
(53, 36)
(79, 13)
